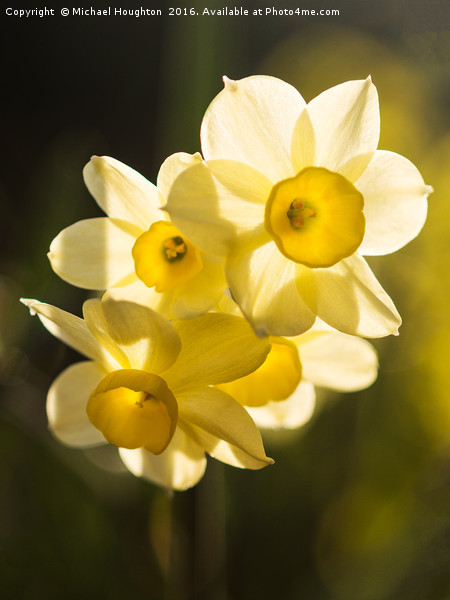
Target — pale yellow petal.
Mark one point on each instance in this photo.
(262, 282)
(122, 192)
(139, 293)
(223, 451)
(395, 203)
(213, 203)
(173, 166)
(303, 143)
(337, 361)
(251, 121)
(71, 330)
(138, 337)
(218, 414)
(66, 405)
(201, 293)
(210, 344)
(291, 413)
(346, 123)
(95, 253)
(179, 467)
(348, 297)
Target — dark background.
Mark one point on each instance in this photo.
(357, 506)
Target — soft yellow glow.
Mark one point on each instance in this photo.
(315, 218)
(164, 258)
(134, 409)
(276, 379)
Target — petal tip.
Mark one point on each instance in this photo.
(28, 302)
(229, 84)
(95, 162)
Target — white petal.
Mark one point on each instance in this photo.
(262, 282)
(346, 123)
(348, 297)
(213, 203)
(122, 192)
(179, 467)
(71, 330)
(218, 414)
(95, 253)
(138, 337)
(337, 361)
(251, 121)
(66, 405)
(173, 166)
(291, 413)
(395, 203)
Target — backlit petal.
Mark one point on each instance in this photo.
(291, 413)
(71, 330)
(251, 121)
(66, 405)
(223, 451)
(172, 167)
(220, 415)
(395, 203)
(179, 467)
(210, 344)
(139, 293)
(201, 293)
(95, 253)
(337, 361)
(303, 143)
(348, 297)
(212, 203)
(262, 282)
(346, 123)
(122, 192)
(135, 335)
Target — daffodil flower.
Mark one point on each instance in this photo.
(281, 392)
(135, 253)
(147, 388)
(293, 195)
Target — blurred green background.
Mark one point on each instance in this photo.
(357, 505)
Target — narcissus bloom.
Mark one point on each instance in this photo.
(136, 253)
(281, 392)
(147, 388)
(293, 194)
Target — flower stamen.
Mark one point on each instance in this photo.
(174, 248)
(298, 212)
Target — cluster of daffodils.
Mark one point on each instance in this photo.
(235, 285)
